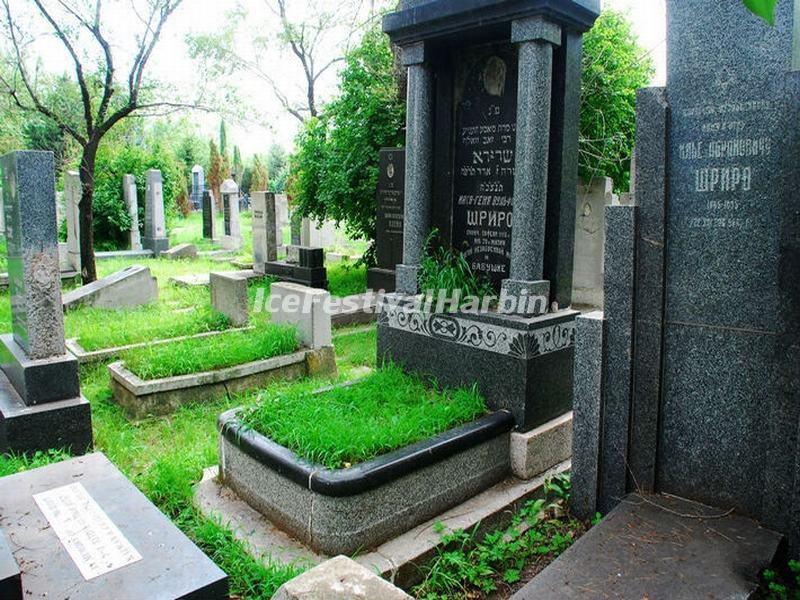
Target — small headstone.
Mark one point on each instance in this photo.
(587, 286)
(82, 530)
(389, 225)
(265, 247)
(130, 194)
(229, 296)
(305, 307)
(198, 186)
(40, 402)
(232, 236)
(133, 286)
(339, 578)
(181, 251)
(155, 228)
(72, 200)
(209, 215)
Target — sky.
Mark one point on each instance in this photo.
(172, 63)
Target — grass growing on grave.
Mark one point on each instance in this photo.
(469, 565)
(165, 458)
(346, 279)
(198, 355)
(385, 411)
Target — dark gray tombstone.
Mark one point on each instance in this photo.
(82, 530)
(198, 186)
(491, 163)
(265, 244)
(209, 215)
(40, 402)
(713, 386)
(389, 222)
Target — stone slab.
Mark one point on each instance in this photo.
(339, 578)
(171, 565)
(123, 254)
(398, 559)
(180, 251)
(539, 450)
(10, 578)
(229, 296)
(306, 308)
(130, 287)
(358, 309)
(67, 277)
(66, 424)
(195, 280)
(39, 381)
(661, 548)
(381, 280)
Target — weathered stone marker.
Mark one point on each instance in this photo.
(72, 200)
(587, 286)
(491, 164)
(129, 193)
(700, 394)
(209, 216)
(133, 286)
(265, 244)
(198, 186)
(231, 229)
(155, 227)
(40, 402)
(187, 251)
(229, 296)
(389, 226)
(305, 307)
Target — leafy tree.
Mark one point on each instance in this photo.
(260, 176)
(238, 166)
(335, 167)
(223, 138)
(278, 168)
(763, 8)
(614, 67)
(104, 101)
(215, 172)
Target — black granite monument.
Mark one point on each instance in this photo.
(697, 393)
(491, 163)
(41, 406)
(389, 226)
(209, 215)
(305, 266)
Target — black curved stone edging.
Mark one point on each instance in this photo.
(365, 476)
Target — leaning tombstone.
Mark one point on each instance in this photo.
(231, 232)
(155, 227)
(131, 287)
(491, 165)
(389, 222)
(41, 406)
(265, 247)
(129, 192)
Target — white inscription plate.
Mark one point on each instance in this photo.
(93, 542)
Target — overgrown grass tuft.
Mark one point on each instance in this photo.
(347, 279)
(211, 353)
(384, 411)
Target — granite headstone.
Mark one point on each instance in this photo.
(131, 198)
(265, 247)
(155, 227)
(389, 223)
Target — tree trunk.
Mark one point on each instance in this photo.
(88, 268)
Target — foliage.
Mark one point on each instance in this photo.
(111, 220)
(208, 354)
(215, 173)
(444, 270)
(260, 177)
(238, 165)
(347, 279)
(278, 168)
(762, 8)
(468, 567)
(614, 67)
(384, 411)
(783, 584)
(335, 166)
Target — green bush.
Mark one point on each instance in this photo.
(111, 220)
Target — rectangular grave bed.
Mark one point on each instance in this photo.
(157, 397)
(346, 510)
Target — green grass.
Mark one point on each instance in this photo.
(385, 411)
(208, 354)
(345, 279)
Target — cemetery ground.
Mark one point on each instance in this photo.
(165, 457)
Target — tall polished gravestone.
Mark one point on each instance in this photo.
(389, 222)
(155, 226)
(198, 186)
(265, 245)
(491, 165)
(41, 406)
(699, 393)
(231, 229)
(209, 216)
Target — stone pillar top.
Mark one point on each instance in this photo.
(229, 187)
(535, 29)
(413, 54)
